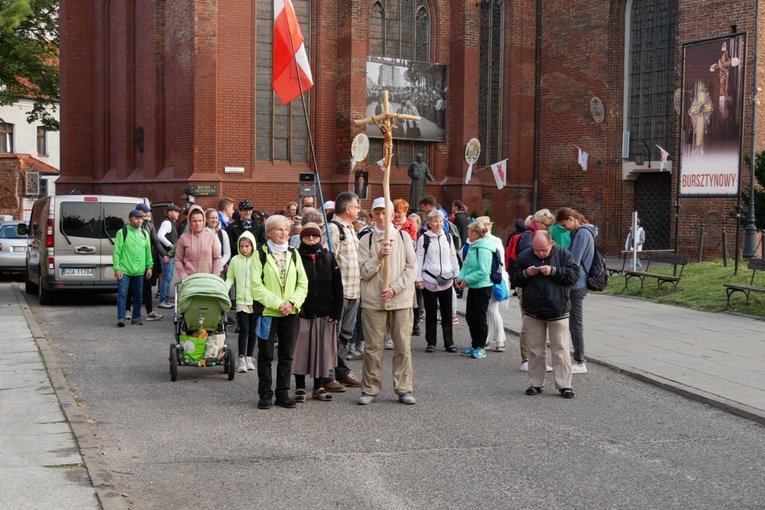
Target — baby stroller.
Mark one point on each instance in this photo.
(199, 315)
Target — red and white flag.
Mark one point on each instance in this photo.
(662, 158)
(582, 158)
(291, 74)
(500, 173)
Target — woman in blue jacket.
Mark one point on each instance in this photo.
(582, 247)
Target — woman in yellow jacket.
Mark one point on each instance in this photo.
(280, 285)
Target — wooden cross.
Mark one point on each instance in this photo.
(385, 122)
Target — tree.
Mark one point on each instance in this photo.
(29, 46)
(759, 192)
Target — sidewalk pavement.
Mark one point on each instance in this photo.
(41, 462)
(715, 358)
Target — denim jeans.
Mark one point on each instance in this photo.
(167, 278)
(136, 285)
(576, 323)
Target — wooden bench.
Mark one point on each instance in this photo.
(626, 257)
(674, 259)
(755, 265)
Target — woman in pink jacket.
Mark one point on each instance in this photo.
(198, 250)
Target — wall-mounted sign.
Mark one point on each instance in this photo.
(204, 190)
(597, 110)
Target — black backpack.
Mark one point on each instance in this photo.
(597, 276)
(496, 267)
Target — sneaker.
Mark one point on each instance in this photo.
(242, 365)
(524, 366)
(154, 316)
(479, 352)
(407, 399)
(165, 304)
(137, 322)
(128, 315)
(120, 323)
(250, 364)
(578, 367)
(286, 403)
(354, 355)
(365, 400)
(467, 352)
(455, 320)
(388, 344)
(548, 369)
(264, 403)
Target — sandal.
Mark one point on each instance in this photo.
(567, 393)
(430, 348)
(534, 390)
(321, 394)
(300, 396)
(452, 348)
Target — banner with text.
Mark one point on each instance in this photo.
(712, 116)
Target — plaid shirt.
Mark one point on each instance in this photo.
(347, 255)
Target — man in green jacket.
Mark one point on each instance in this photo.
(132, 261)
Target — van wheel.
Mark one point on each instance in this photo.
(45, 296)
(29, 287)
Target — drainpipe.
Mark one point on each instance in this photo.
(537, 87)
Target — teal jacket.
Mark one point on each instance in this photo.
(267, 289)
(476, 271)
(240, 270)
(132, 256)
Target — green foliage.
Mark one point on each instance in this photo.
(29, 45)
(759, 192)
(487, 212)
(701, 288)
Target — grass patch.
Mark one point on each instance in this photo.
(701, 288)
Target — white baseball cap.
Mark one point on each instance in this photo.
(329, 204)
(379, 203)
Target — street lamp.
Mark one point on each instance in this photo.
(750, 229)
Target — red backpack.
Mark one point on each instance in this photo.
(511, 252)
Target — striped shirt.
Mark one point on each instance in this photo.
(347, 255)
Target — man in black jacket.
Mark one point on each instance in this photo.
(460, 220)
(546, 272)
(246, 222)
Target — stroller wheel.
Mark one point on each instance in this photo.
(173, 362)
(230, 364)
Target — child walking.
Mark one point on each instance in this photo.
(240, 271)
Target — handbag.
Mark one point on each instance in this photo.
(500, 292)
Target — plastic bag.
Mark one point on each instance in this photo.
(500, 292)
(193, 348)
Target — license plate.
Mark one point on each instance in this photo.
(18, 249)
(76, 271)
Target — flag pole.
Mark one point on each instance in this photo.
(310, 144)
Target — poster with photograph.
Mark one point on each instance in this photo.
(361, 185)
(712, 116)
(414, 88)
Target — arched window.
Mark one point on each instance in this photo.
(400, 29)
(281, 130)
(650, 77)
(490, 82)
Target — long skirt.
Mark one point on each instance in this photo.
(315, 349)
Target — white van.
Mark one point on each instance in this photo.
(71, 241)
